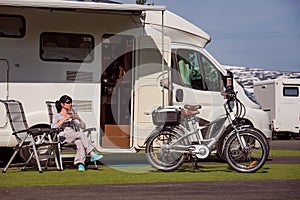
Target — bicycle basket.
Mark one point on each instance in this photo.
(166, 116)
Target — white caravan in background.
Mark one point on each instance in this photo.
(112, 60)
(281, 99)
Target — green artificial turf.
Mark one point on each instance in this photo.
(143, 174)
(275, 152)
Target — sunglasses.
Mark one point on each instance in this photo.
(68, 102)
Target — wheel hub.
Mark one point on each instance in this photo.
(201, 151)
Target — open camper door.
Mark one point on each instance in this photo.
(152, 69)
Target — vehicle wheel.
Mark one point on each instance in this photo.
(219, 145)
(25, 152)
(160, 155)
(284, 136)
(247, 160)
(297, 137)
(5, 155)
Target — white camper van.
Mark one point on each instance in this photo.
(113, 60)
(281, 99)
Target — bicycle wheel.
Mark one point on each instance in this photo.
(160, 155)
(252, 157)
(262, 136)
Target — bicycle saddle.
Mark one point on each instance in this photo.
(189, 112)
(192, 107)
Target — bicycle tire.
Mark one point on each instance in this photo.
(159, 156)
(252, 158)
(262, 136)
(223, 138)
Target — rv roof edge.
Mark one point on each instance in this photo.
(61, 4)
(176, 26)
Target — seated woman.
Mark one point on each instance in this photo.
(67, 124)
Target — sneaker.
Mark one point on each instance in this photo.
(96, 157)
(81, 168)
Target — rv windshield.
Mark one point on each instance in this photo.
(251, 96)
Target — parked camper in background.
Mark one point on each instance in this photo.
(281, 99)
(112, 59)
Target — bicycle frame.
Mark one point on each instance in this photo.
(191, 132)
(179, 134)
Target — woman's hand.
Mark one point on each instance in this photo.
(82, 124)
(69, 116)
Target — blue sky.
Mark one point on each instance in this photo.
(256, 33)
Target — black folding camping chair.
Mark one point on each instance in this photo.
(41, 143)
(64, 147)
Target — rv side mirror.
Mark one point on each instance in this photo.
(179, 95)
(228, 81)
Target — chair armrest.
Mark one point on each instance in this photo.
(89, 129)
(41, 131)
(21, 131)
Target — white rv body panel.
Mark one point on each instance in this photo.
(33, 79)
(28, 77)
(186, 36)
(280, 97)
(178, 29)
(81, 6)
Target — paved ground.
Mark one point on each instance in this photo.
(233, 190)
(285, 144)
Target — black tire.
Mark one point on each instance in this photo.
(5, 155)
(159, 156)
(263, 137)
(25, 152)
(252, 158)
(297, 137)
(219, 145)
(283, 136)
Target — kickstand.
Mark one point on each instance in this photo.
(194, 163)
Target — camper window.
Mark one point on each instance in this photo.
(211, 75)
(290, 91)
(189, 68)
(66, 47)
(197, 72)
(12, 26)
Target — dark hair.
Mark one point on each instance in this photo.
(63, 99)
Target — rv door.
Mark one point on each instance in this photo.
(150, 73)
(198, 81)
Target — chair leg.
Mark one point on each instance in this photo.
(56, 157)
(27, 161)
(60, 157)
(95, 165)
(11, 159)
(36, 155)
(50, 151)
(14, 154)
